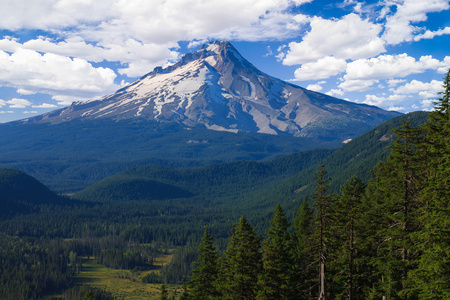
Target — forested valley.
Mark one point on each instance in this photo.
(312, 225)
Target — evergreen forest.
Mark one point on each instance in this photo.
(369, 220)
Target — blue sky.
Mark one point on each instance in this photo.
(392, 53)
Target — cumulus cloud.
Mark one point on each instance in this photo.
(424, 90)
(348, 38)
(157, 21)
(335, 92)
(16, 103)
(44, 105)
(351, 85)
(54, 74)
(399, 26)
(314, 87)
(431, 34)
(321, 69)
(390, 66)
(383, 101)
(140, 35)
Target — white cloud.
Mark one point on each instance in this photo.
(301, 2)
(156, 21)
(30, 112)
(394, 82)
(427, 104)
(142, 34)
(335, 92)
(54, 74)
(44, 105)
(351, 85)
(348, 38)
(395, 108)
(424, 90)
(321, 69)
(383, 101)
(431, 34)
(25, 92)
(399, 26)
(6, 112)
(314, 87)
(18, 103)
(390, 66)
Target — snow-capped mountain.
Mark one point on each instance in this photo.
(216, 87)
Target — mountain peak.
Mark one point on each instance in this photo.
(217, 88)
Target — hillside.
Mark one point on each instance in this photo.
(21, 193)
(224, 180)
(358, 157)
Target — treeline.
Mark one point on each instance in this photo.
(389, 239)
(29, 269)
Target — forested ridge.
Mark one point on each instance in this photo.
(378, 235)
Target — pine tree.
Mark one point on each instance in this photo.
(303, 255)
(349, 214)
(242, 264)
(276, 279)
(398, 184)
(432, 277)
(204, 276)
(323, 206)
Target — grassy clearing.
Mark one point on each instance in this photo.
(122, 283)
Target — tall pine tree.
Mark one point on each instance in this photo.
(323, 223)
(432, 277)
(276, 279)
(243, 263)
(399, 182)
(303, 254)
(203, 283)
(349, 216)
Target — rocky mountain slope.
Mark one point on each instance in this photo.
(216, 87)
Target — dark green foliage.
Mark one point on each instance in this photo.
(227, 180)
(277, 275)
(350, 232)
(31, 268)
(323, 222)
(127, 189)
(303, 254)
(21, 193)
(242, 264)
(398, 183)
(180, 268)
(203, 284)
(432, 276)
(356, 158)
